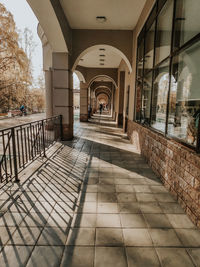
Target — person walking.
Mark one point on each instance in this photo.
(101, 108)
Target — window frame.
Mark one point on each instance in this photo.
(158, 6)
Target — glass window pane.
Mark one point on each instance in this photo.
(163, 35)
(184, 108)
(159, 100)
(139, 80)
(149, 49)
(146, 98)
(187, 21)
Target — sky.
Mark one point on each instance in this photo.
(24, 17)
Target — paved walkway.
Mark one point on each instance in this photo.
(94, 202)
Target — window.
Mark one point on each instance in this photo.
(146, 98)
(160, 93)
(184, 105)
(168, 71)
(164, 31)
(139, 80)
(187, 21)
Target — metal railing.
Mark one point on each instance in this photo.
(22, 144)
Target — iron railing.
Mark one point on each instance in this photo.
(22, 144)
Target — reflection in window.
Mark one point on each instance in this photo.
(139, 79)
(146, 98)
(187, 21)
(149, 49)
(163, 35)
(184, 106)
(160, 93)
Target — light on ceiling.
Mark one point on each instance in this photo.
(101, 19)
(102, 49)
(102, 55)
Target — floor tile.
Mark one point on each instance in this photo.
(189, 237)
(126, 197)
(142, 257)
(164, 238)
(25, 236)
(137, 237)
(107, 197)
(45, 256)
(78, 257)
(180, 221)
(107, 208)
(110, 256)
(108, 220)
(15, 256)
(195, 255)
(174, 257)
(81, 237)
(109, 237)
(157, 221)
(129, 207)
(132, 220)
(52, 236)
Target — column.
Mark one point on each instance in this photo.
(62, 80)
(83, 102)
(49, 97)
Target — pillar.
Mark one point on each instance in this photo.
(62, 81)
(49, 97)
(83, 102)
(121, 97)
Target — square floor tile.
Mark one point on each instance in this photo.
(145, 197)
(126, 197)
(110, 256)
(106, 188)
(25, 236)
(142, 188)
(35, 219)
(108, 181)
(171, 207)
(86, 207)
(53, 236)
(107, 197)
(132, 220)
(157, 221)
(59, 219)
(109, 237)
(108, 220)
(164, 197)
(174, 257)
(180, 221)
(137, 237)
(107, 208)
(6, 234)
(142, 257)
(189, 237)
(124, 181)
(164, 237)
(150, 207)
(84, 220)
(129, 207)
(78, 257)
(16, 256)
(124, 188)
(45, 256)
(81, 237)
(195, 255)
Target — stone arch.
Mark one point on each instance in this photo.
(80, 76)
(99, 76)
(116, 50)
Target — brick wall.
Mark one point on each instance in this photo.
(177, 166)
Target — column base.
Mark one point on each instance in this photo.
(67, 132)
(120, 119)
(83, 117)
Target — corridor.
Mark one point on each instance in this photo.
(94, 202)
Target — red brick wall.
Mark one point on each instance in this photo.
(177, 166)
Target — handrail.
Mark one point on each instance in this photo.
(21, 144)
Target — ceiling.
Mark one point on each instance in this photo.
(108, 57)
(120, 14)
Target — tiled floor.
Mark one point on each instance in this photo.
(95, 203)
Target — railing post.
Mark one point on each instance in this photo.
(43, 138)
(14, 155)
(61, 128)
